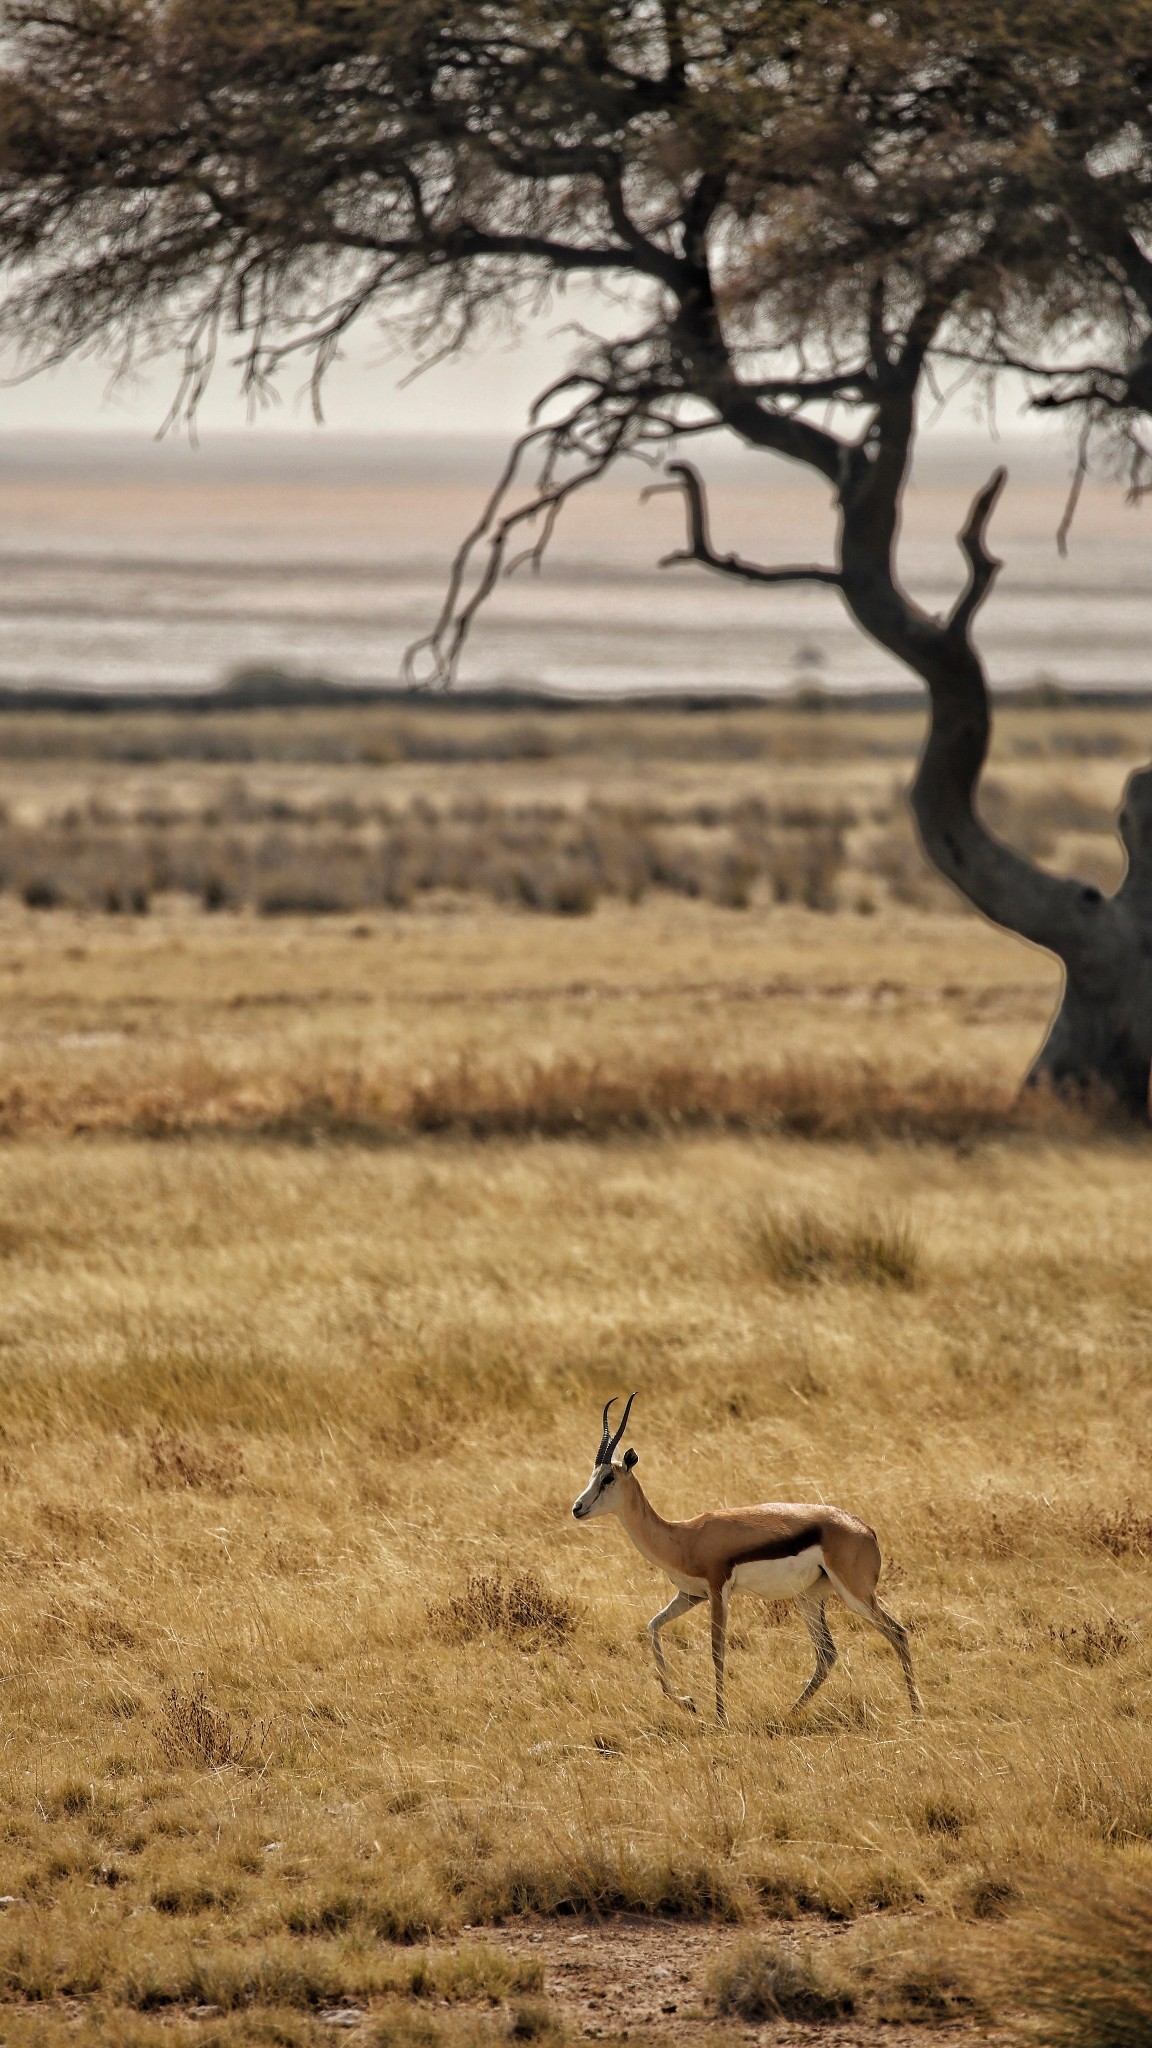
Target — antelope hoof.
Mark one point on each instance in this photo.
(685, 1700)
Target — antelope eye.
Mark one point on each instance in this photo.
(608, 1480)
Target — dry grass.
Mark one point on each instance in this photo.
(563, 1098)
(521, 1607)
(169, 1459)
(1081, 1963)
(765, 1981)
(809, 1250)
(304, 1665)
(233, 1709)
(190, 1730)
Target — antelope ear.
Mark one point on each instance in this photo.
(630, 1458)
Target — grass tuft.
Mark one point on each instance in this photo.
(521, 1608)
(1092, 1642)
(763, 1980)
(1084, 1967)
(807, 1249)
(171, 1460)
(1123, 1532)
(190, 1896)
(531, 2019)
(190, 1730)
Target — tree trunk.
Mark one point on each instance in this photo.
(1100, 1040)
(1099, 1045)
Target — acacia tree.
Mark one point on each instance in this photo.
(814, 206)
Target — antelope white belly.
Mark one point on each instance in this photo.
(779, 1578)
(697, 1587)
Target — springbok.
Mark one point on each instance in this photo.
(782, 1552)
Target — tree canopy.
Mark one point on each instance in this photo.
(843, 185)
(816, 212)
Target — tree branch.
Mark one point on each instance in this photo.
(983, 568)
(495, 527)
(700, 547)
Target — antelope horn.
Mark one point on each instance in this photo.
(606, 1457)
(604, 1451)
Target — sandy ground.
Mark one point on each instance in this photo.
(627, 1977)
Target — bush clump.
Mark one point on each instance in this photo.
(519, 1607)
(171, 1460)
(807, 1249)
(1123, 1532)
(190, 1730)
(761, 1980)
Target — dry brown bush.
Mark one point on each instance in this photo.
(325, 857)
(169, 1459)
(577, 1098)
(521, 1607)
(565, 1097)
(1093, 1641)
(806, 1249)
(1125, 1531)
(190, 1730)
(762, 1980)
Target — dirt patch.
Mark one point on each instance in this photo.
(630, 1978)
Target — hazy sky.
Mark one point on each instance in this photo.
(487, 390)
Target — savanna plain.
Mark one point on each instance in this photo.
(382, 1090)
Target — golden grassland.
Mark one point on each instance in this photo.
(308, 1682)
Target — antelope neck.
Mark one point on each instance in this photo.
(657, 1539)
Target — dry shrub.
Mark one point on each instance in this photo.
(169, 1460)
(762, 1980)
(531, 2019)
(298, 856)
(562, 1098)
(190, 1895)
(78, 1528)
(806, 1249)
(1083, 1968)
(805, 867)
(942, 1816)
(927, 1990)
(896, 857)
(190, 1730)
(403, 2027)
(1092, 1642)
(521, 1607)
(1123, 1532)
(400, 1915)
(573, 1097)
(477, 1972)
(991, 1896)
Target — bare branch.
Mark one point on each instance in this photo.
(983, 568)
(700, 547)
(859, 383)
(445, 643)
(1077, 485)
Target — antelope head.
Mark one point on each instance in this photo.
(601, 1495)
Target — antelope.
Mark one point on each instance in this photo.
(781, 1552)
